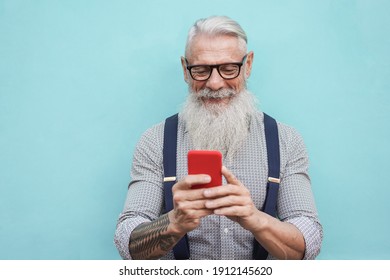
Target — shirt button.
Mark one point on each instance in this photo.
(226, 230)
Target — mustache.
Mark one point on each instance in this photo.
(215, 94)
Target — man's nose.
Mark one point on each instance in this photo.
(215, 82)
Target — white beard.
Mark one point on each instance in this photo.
(218, 126)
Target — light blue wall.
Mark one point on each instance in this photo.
(81, 80)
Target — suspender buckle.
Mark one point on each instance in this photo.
(274, 180)
(170, 179)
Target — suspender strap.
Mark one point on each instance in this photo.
(273, 156)
(181, 250)
(169, 159)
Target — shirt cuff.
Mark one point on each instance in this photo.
(122, 235)
(312, 234)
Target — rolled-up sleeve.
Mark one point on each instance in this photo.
(296, 200)
(312, 234)
(144, 200)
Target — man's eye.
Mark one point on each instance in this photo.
(229, 69)
(200, 71)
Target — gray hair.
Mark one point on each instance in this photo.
(214, 26)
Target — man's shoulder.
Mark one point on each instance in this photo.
(287, 129)
(152, 136)
(289, 135)
(154, 130)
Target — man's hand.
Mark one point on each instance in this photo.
(232, 200)
(189, 204)
(154, 239)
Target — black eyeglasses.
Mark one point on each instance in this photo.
(228, 71)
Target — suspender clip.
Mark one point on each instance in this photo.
(170, 179)
(274, 180)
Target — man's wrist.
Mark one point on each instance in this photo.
(260, 222)
(174, 228)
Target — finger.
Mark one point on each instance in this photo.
(228, 211)
(182, 190)
(181, 196)
(229, 176)
(190, 215)
(233, 211)
(224, 191)
(190, 180)
(198, 214)
(227, 201)
(187, 205)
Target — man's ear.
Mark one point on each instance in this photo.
(248, 64)
(185, 72)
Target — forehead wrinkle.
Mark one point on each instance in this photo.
(215, 50)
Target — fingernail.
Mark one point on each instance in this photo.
(206, 179)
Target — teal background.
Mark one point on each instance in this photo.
(81, 80)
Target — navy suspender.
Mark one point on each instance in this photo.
(273, 157)
(181, 250)
(169, 155)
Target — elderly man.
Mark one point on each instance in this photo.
(223, 222)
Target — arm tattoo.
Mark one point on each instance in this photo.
(150, 240)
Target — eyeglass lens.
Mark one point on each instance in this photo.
(203, 72)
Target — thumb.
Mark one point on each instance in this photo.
(229, 176)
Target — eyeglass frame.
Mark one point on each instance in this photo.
(216, 66)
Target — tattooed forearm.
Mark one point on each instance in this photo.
(151, 240)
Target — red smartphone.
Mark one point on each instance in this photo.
(206, 162)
